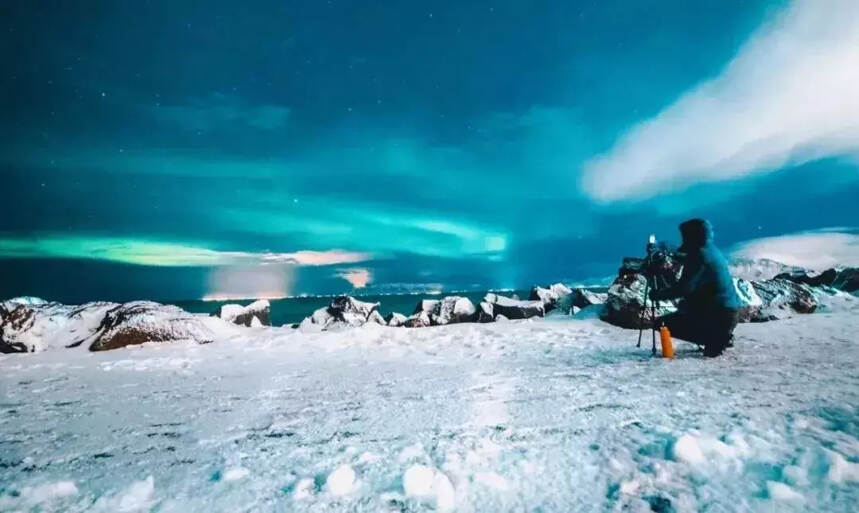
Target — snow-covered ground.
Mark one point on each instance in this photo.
(551, 415)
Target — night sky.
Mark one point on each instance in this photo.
(172, 150)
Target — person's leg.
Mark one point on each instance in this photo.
(682, 326)
(719, 333)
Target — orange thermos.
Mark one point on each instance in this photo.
(667, 346)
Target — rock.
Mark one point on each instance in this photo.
(624, 305)
(439, 312)
(514, 308)
(139, 322)
(760, 269)
(244, 315)
(847, 280)
(426, 305)
(780, 296)
(344, 311)
(582, 298)
(485, 312)
(751, 304)
(376, 318)
(453, 309)
(550, 296)
(32, 324)
(395, 320)
(29, 325)
(810, 278)
(418, 320)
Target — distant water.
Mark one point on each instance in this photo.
(294, 310)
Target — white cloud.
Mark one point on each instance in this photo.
(359, 278)
(819, 250)
(789, 96)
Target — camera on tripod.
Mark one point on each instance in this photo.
(662, 262)
(660, 269)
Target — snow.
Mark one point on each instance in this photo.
(341, 481)
(558, 414)
(782, 492)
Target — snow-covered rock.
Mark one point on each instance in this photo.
(583, 298)
(514, 308)
(453, 309)
(485, 312)
(782, 297)
(625, 299)
(550, 296)
(244, 315)
(439, 312)
(759, 269)
(624, 305)
(811, 278)
(31, 324)
(28, 325)
(395, 319)
(426, 305)
(418, 320)
(139, 322)
(343, 311)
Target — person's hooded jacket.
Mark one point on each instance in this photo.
(705, 283)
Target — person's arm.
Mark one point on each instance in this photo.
(689, 280)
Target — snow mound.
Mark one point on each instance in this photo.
(427, 484)
(341, 481)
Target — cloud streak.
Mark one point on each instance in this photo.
(163, 254)
(790, 95)
(819, 250)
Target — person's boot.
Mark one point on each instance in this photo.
(713, 350)
(730, 341)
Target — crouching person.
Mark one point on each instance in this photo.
(707, 314)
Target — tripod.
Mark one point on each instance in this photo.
(651, 283)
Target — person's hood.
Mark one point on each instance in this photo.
(696, 233)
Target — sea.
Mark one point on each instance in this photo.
(292, 310)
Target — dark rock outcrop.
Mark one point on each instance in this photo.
(812, 279)
(847, 280)
(485, 312)
(514, 308)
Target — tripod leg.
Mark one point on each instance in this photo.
(643, 312)
(653, 327)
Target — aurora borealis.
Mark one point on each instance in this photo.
(181, 150)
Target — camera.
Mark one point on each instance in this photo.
(662, 261)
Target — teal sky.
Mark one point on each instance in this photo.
(176, 150)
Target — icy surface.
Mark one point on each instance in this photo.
(538, 415)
